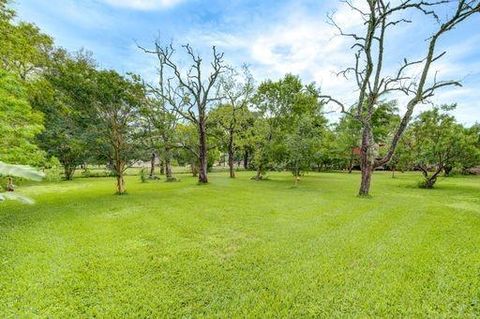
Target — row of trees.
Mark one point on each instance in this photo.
(62, 106)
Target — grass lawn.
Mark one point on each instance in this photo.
(239, 248)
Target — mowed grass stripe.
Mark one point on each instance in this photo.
(240, 248)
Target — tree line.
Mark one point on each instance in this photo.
(61, 108)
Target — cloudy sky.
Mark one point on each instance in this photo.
(274, 37)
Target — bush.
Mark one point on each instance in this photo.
(53, 174)
(53, 170)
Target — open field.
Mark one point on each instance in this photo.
(239, 248)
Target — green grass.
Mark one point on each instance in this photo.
(239, 248)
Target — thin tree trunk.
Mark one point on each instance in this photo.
(194, 168)
(168, 170)
(350, 166)
(448, 170)
(259, 174)
(162, 167)
(245, 160)
(202, 154)
(69, 171)
(120, 184)
(168, 166)
(231, 155)
(297, 176)
(152, 165)
(366, 164)
(393, 171)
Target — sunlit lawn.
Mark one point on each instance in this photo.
(240, 248)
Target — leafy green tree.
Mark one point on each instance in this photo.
(187, 142)
(228, 126)
(66, 96)
(437, 141)
(23, 48)
(160, 133)
(287, 109)
(348, 136)
(236, 89)
(328, 154)
(302, 143)
(472, 159)
(118, 105)
(19, 123)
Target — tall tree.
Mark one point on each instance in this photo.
(66, 96)
(190, 93)
(369, 74)
(287, 107)
(237, 90)
(118, 105)
(161, 126)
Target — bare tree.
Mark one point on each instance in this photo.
(380, 18)
(189, 93)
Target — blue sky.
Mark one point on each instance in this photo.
(272, 36)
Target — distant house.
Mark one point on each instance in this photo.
(356, 151)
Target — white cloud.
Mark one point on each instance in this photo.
(143, 4)
(298, 42)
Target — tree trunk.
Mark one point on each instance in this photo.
(245, 160)
(202, 153)
(297, 176)
(448, 170)
(259, 174)
(194, 168)
(162, 167)
(431, 180)
(231, 155)
(366, 163)
(119, 169)
(152, 165)
(393, 171)
(350, 165)
(168, 170)
(168, 166)
(69, 171)
(120, 184)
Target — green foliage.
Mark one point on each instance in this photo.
(290, 125)
(436, 142)
(67, 97)
(118, 104)
(19, 123)
(23, 48)
(53, 170)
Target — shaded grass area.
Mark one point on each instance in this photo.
(240, 248)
